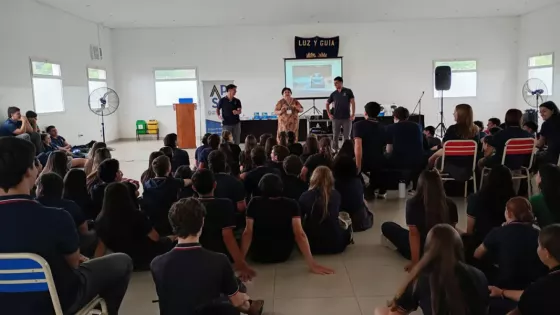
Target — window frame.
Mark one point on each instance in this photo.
(529, 68)
(44, 76)
(195, 79)
(436, 93)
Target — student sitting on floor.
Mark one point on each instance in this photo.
(49, 149)
(349, 185)
(160, 193)
(346, 149)
(192, 280)
(89, 164)
(123, 228)
(62, 144)
(99, 156)
(279, 153)
(75, 189)
(252, 178)
(274, 227)
(227, 138)
(227, 186)
(311, 147)
(323, 158)
(546, 204)
(429, 206)
(441, 282)
(219, 223)
(263, 138)
(168, 151)
(295, 147)
(213, 144)
(57, 163)
(203, 146)
(294, 187)
(541, 297)
(180, 157)
(513, 248)
(283, 138)
(480, 125)
(270, 143)
(27, 226)
(485, 208)
(433, 142)
(149, 172)
(184, 172)
(245, 163)
(532, 128)
(320, 207)
(18, 126)
(231, 162)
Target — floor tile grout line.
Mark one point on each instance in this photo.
(352, 286)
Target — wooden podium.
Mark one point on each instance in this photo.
(186, 133)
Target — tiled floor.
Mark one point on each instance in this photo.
(367, 274)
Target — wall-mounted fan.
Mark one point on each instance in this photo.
(103, 102)
(534, 92)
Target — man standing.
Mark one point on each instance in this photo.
(19, 126)
(229, 109)
(342, 115)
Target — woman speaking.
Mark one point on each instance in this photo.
(287, 110)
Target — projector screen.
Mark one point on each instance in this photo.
(312, 77)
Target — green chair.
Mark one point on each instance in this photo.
(141, 128)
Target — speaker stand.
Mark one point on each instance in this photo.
(441, 125)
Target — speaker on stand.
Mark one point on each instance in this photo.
(443, 83)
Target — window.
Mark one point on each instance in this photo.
(97, 78)
(542, 67)
(173, 84)
(463, 78)
(47, 87)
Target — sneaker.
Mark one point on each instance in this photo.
(381, 195)
(387, 243)
(256, 307)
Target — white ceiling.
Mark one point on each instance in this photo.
(173, 13)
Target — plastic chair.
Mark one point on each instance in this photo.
(464, 148)
(26, 272)
(518, 147)
(141, 128)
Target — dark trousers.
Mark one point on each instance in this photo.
(397, 235)
(107, 277)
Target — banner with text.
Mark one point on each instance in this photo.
(316, 47)
(213, 92)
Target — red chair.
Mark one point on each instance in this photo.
(463, 148)
(518, 147)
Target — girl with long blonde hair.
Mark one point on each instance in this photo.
(320, 207)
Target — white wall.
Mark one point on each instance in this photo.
(28, 29)
(386, 62)
(539, 35)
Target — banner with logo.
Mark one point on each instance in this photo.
(316, 47)
(213, 91)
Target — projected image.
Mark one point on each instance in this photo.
(312, 78)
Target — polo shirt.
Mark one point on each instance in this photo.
(488, 212)
(8, 127)
(180, 158)
(198, 151)
(203, 157)
(472, 282)
(408, 143)
(253, 178)
(514, 249)
(227, 107)
(26, 226)
(542, 211)
(341, 100)
(550, 130)
(159, 195)
(67, 205)
(541, 297)
(277, 165)
(499, 143)
(220, 215)
(416, 215)
(273, 235)
(229, 187)
(189, 277)
(373, 136)
(294, 187)
(295, 148)
(351, 193)
(433, 142)
(58, 141)
(314, 161)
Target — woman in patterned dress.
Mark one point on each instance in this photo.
(287, 110)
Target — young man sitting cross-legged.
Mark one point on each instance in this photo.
(192, 280)
(217, 234)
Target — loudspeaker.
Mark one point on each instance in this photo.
(531, 115)
(443, 78)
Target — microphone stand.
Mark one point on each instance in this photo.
(419, 106)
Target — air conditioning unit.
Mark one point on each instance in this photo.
(95, 52)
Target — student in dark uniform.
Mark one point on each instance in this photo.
(294, 187)
(441, 282)
(311, 147)
(323, 158)
(279, 153)
(203, 146)
(219, 223)
(180, 157)
(274, 227)
(75, 189)
(541, 297)
(245, 163)
(270, 143)
(252, 178)
(294, 147)
(546, 204)
(184, 172)
(227, 186)
(513, 248)
(550, 133)
(433, 142)
(428, 207)
(235, 150)
(192, 280)
(213, 144)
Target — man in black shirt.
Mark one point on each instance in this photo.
(433, 142)
(228, 110)
(219, 223)
(192, 280)
(344, 111)
(227, 186)
(369, 144)
(293, 185)
(492, 123)
(26, 226)
(252, 178)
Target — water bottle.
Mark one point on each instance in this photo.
(402, 189)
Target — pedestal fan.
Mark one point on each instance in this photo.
(103, 102)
